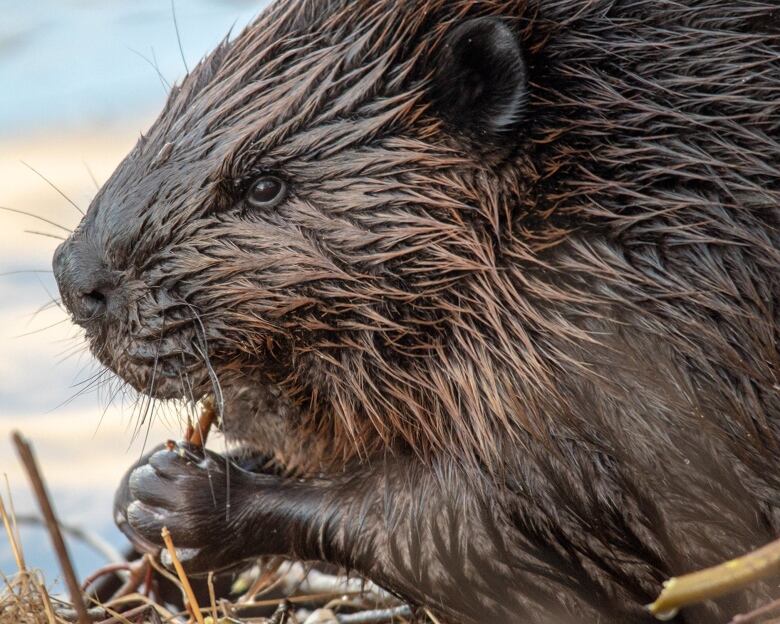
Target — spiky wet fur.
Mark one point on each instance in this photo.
(582, 318)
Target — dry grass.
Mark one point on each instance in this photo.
(26, 599)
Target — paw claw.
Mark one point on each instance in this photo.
(165, 461)
(145, 520)
(137, 478)
(148, 486)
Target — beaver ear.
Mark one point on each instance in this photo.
(479, 78)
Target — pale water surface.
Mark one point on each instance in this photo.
(74, 94)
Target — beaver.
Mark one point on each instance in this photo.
(494, 283)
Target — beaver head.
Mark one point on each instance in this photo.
(413, 219)
(305, 195)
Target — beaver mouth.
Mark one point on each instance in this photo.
(174, 366)
(167, 347)
(159, 345)
(173, 375)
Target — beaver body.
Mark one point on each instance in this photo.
(495, 282)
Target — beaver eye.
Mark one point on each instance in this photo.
(267, 192)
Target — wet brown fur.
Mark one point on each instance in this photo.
(573, 331)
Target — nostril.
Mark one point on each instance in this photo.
(92, 304)
(97, 297)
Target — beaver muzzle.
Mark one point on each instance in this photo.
(87, 287)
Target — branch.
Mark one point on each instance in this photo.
(27, 457)
(716, 581)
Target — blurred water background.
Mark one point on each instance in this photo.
(77, 86)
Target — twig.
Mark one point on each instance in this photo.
(46, 600)
(12, 538)
(212, 597)
(148, 581)
(66, 613)
(375, 617)
(166, 535)
(28, 460)
(294, 600)
(268, 579)
(114, 606)
(431, 617)
(198, 436)
(127, 614)
(16, 540)
(138, 570)
(100, 572)
(163, 572)
(718, 580)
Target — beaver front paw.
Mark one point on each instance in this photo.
(197, 495)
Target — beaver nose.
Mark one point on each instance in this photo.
(85, 285)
